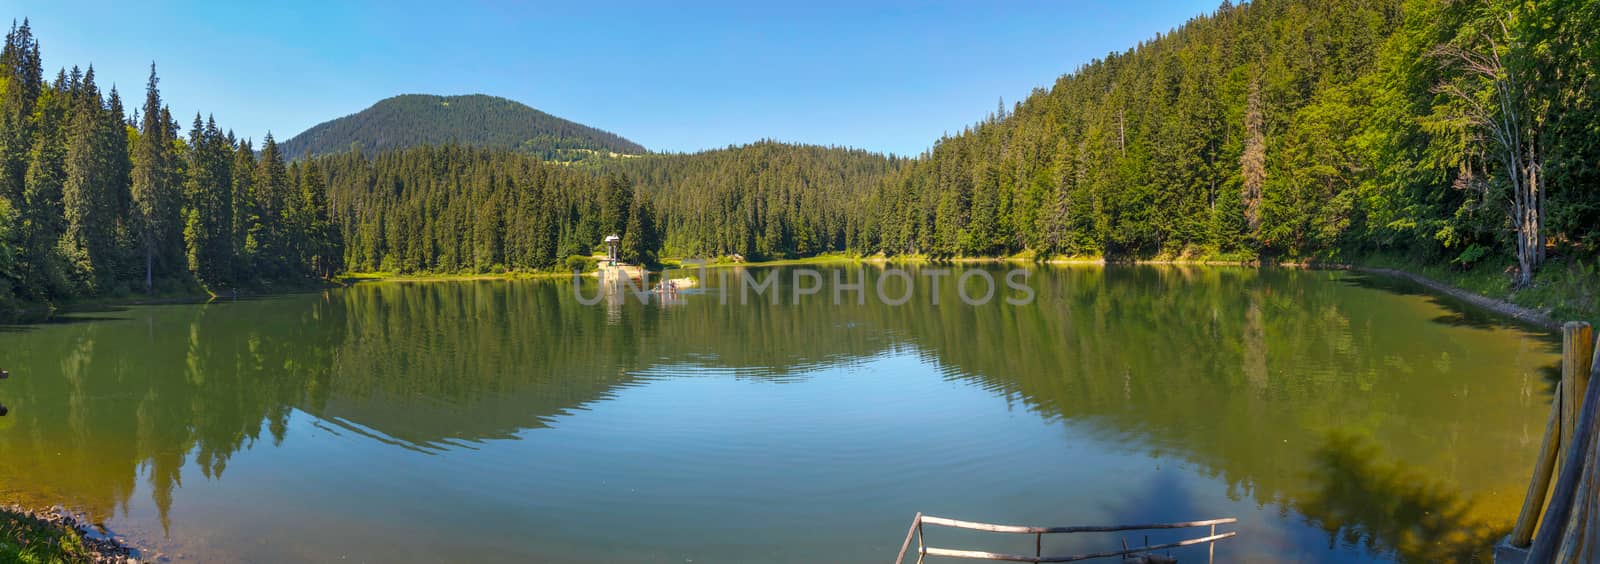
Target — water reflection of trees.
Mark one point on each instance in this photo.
(1247, 372)
(1242, 372)
(1363, 499)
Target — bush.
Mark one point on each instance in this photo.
(580, 263)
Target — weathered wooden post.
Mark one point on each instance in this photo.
(1577, 350)
(1543, 469)
(1570, 524)
(1577, 364)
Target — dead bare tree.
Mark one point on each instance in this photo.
(1497, 105)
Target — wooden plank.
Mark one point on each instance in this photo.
(983, 555)
(1543, 469)
(1022, 529)
(978, 555)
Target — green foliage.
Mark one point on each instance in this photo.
(487, 121)
(454, 209)
(640, 241)
(580, 263)
(28, 539)
(1277, 129)
(92, 206)
(763, 200)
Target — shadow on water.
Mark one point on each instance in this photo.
(1361, 499)
(15, 322)
(23, 321)
(1459, 313)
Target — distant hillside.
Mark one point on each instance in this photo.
(488, 121)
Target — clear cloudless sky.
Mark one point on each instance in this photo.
(672, 76)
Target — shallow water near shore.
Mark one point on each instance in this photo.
(1340, 417)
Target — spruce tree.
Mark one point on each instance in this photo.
(155, 211)
(641, 241)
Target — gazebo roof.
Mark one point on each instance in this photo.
(612, 238)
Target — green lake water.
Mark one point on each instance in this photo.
(1340, 417)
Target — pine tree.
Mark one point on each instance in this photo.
(24, 80)
(89, 241)
(323, 252)
(43, 222)
(246, 216)
(641, 241)
(208, 213)
(269, 233)
(156, 206)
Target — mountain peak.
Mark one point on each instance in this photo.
(409, 120)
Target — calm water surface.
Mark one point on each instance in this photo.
(1340, 418)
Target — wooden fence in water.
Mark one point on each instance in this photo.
(1562, 523)
(923, 550)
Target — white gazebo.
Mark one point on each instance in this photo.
(613, 243)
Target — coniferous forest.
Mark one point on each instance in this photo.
(1459, 133)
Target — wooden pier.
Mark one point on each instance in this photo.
(1141, 553)
(1561, 522)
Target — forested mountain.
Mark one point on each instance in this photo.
(487, 121)
(1453, 131)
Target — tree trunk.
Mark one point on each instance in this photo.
(149, 269)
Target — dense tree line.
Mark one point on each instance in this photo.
(412, 120)
(465, 209)
(1454, 131)
(93, 202)
(763, 200)
(461, 209)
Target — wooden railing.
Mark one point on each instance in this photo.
(1038, 533)
(1568, 528)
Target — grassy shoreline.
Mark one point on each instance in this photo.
(37, 537)
(1561, 290)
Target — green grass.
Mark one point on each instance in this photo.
(1569, 289)
(1566, 289)
(825, 258)
(30, 540)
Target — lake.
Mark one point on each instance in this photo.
(1340, 417)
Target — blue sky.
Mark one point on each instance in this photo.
(890, 76)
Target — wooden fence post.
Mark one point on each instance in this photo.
(1577, 351)
(1543, 469)
(1569, 479)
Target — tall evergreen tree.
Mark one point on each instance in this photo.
(43, 275)
(246, 215)
(268, 241)
(89, 242)
(156, 206)
(208, 215)
(641, 241)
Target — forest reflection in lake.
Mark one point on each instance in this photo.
(1339, 417)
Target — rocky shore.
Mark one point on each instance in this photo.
(58, 535)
